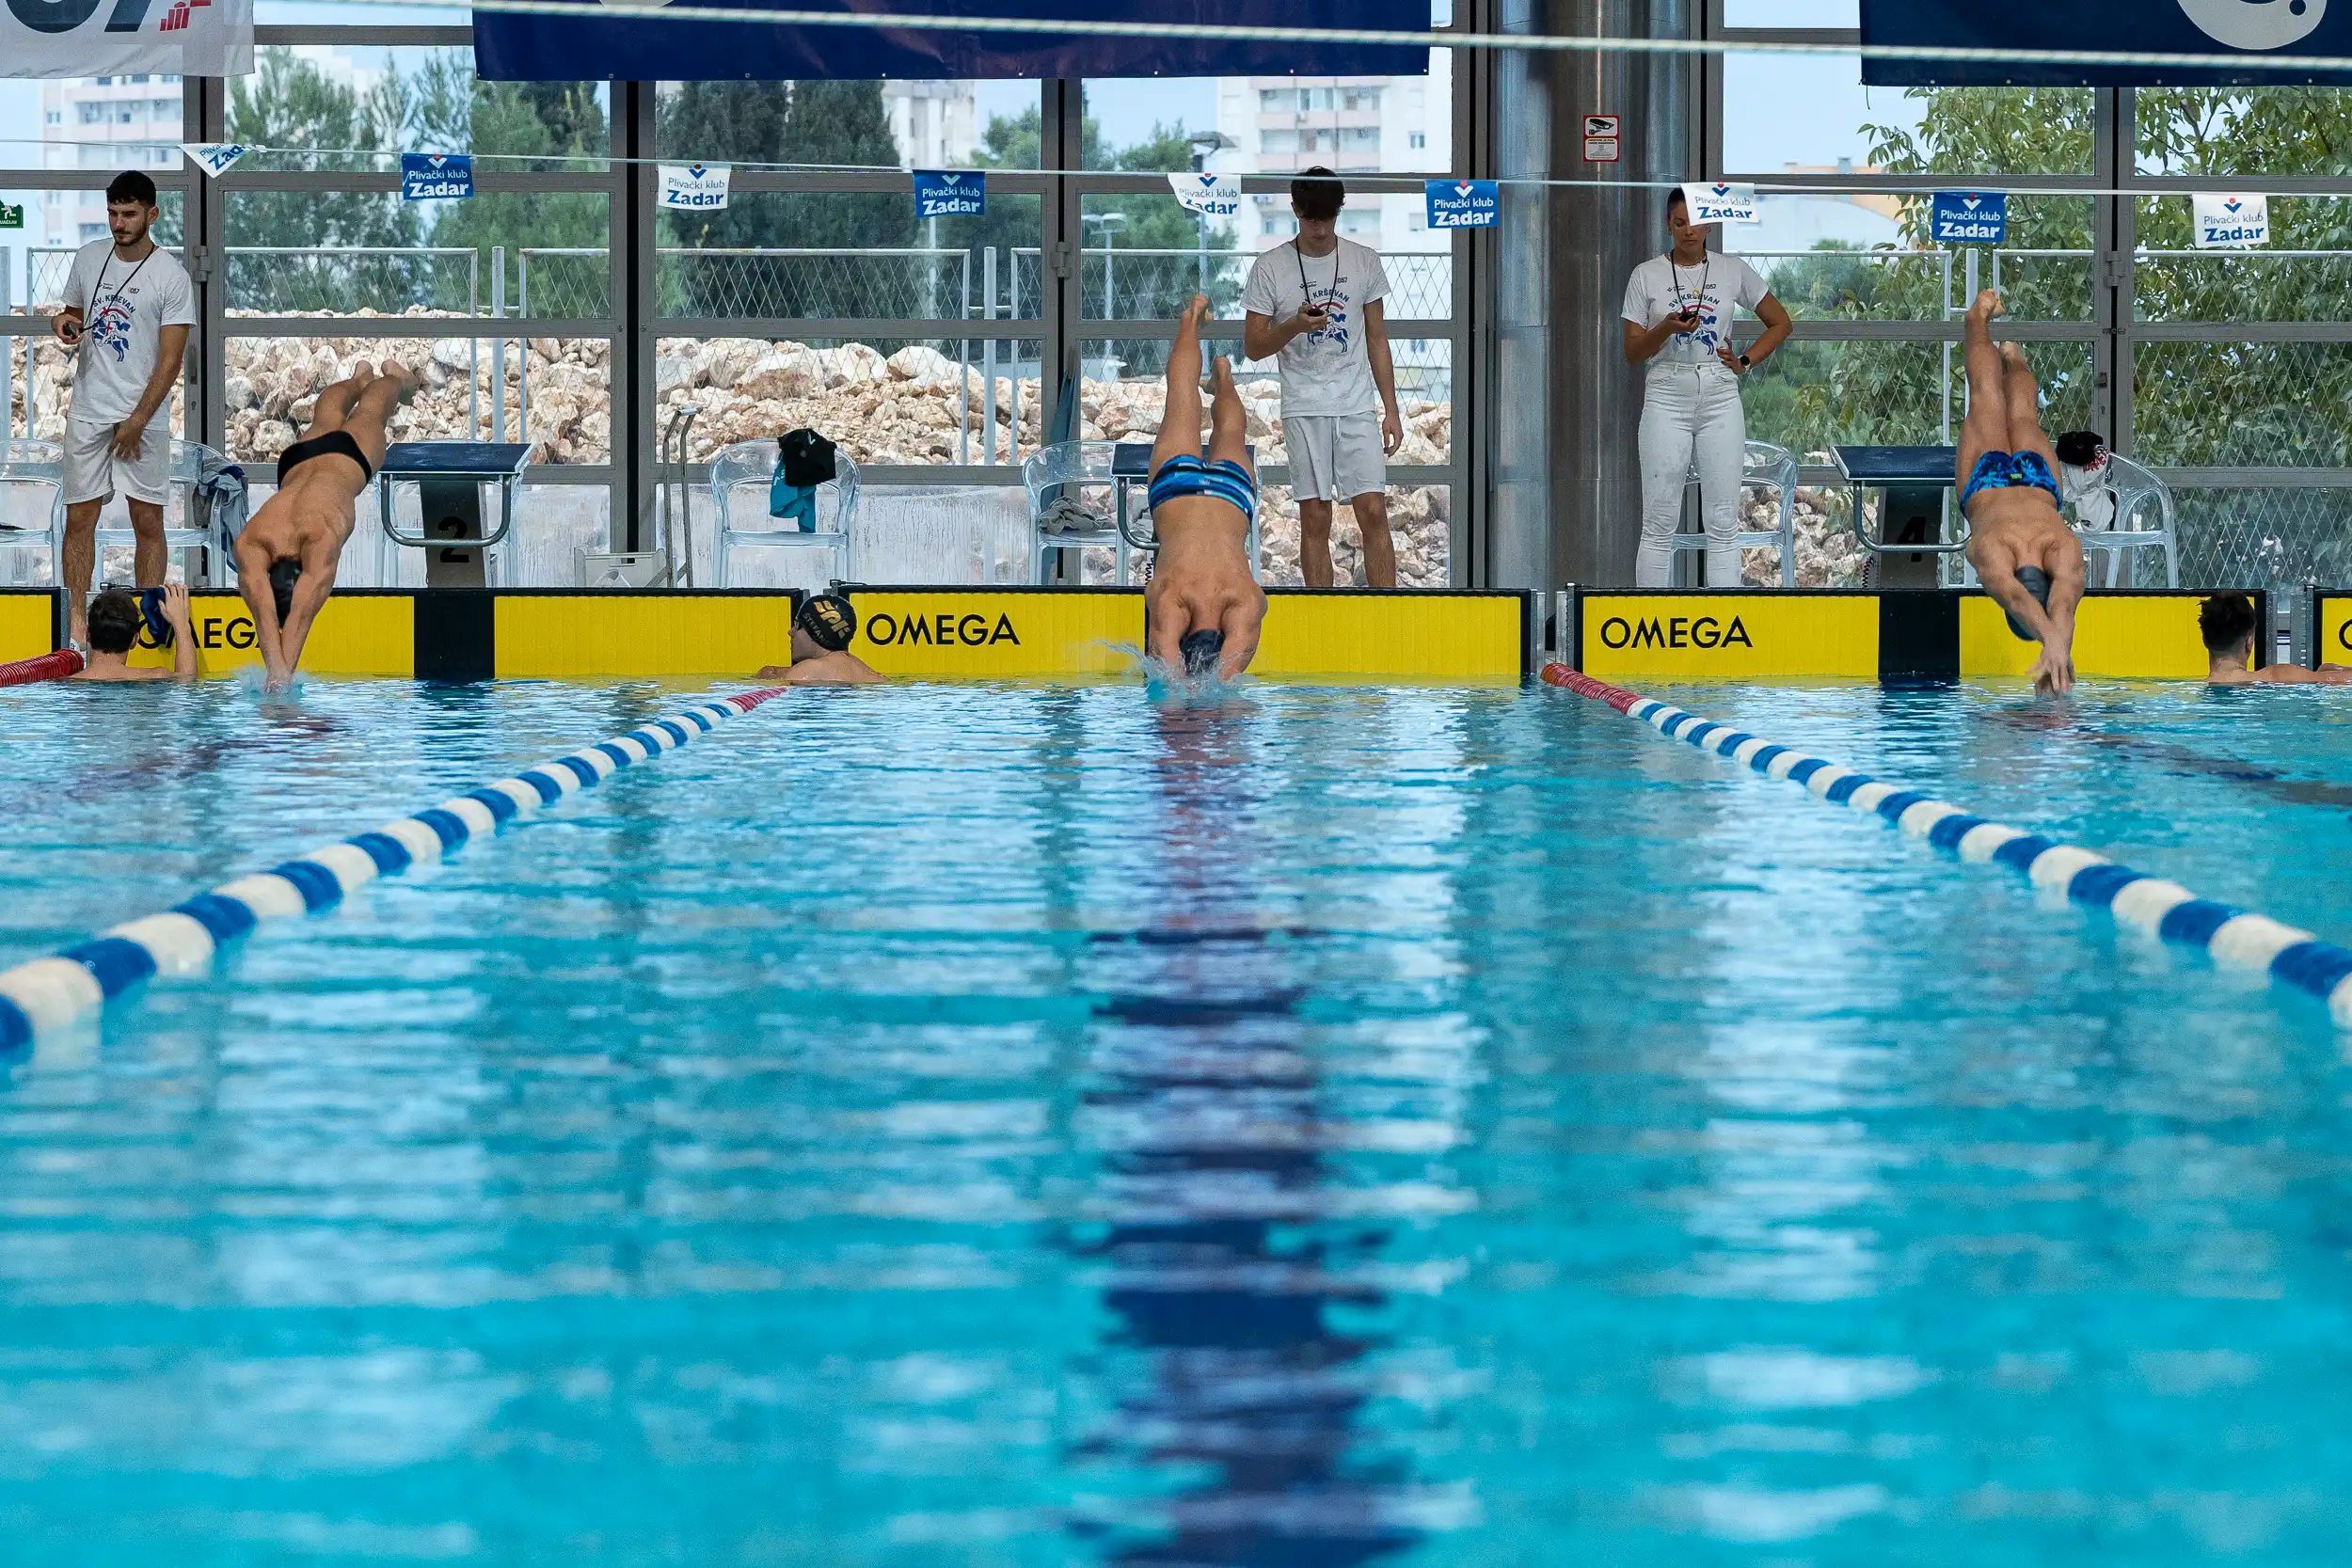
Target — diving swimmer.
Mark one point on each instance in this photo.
(287, 555)
(2028, 559)
(822, 629)
(2227, 623)
(1205, 609)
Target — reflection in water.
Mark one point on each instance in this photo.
(1216, 1262)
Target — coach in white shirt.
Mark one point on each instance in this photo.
(1677, 319)
(1316, 303)
(128, 307)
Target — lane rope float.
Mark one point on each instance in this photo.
(42, 667)
(75, 981)
(2162, 909)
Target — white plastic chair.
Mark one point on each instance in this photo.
(1761, 464)
(1078, 472)
(195, 534)
(2141, 518)
(750, 466)
(34, 465)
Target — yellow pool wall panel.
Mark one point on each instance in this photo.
(560, 636)
(990, 634)
(1729, 637)
(28, 625)
(355, 634)
(2117, 637)
(1407, 636)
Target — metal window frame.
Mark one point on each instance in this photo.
(1058, 326)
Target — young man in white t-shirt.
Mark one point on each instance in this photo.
(128, 307)
(1316, 303)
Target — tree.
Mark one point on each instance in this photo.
(287, 102)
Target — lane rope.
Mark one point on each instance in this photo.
(2161, 908)
(42, 667)
(75, 981)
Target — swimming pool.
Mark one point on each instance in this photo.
(1027, 1125)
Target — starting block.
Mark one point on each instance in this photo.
(449, 476)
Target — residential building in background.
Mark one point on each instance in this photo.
(1351, 124)
(936, 124)
(97, 123)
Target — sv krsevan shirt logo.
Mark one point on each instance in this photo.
(2255, 24)
(111, 329)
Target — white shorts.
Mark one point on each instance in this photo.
(1335, 458)
(94, 473)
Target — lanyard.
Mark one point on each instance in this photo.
(128, 279)
(1304, 288)
(1673, 275)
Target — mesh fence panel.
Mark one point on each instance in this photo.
(906, 285)
(2278, 539)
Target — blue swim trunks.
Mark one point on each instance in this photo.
(2001, 470)
(1185, 475)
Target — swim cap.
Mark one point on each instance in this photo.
(1201, 650)
(2036, 582)
(281, 580)
(829, 620)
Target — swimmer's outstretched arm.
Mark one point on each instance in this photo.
(311, 592)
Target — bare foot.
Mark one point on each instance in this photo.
(1988, 306)
(409, 380)
(361, 370)
(1197, 311)
(1221, 374)
(2015, 356)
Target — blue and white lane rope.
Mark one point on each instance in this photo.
(2161, 908)
(49, 992)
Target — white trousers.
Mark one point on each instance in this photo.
(1691, 413)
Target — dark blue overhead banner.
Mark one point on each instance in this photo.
(2267, 34)
(644, 47)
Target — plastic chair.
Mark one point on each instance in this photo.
(750, 465)
(195, 532)
(2141, 518)
(34, 463)
(1077, 472)
(1068, 470)
(1761, 464)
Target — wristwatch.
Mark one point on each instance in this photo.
(1746, 363)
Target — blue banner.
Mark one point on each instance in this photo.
(435, 176)
(1964, 217)
(949, 196)
(2268, 33)
(1462, 203)
(512, 48)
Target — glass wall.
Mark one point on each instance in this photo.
(2224, 370)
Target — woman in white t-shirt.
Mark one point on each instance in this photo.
(1677, 320)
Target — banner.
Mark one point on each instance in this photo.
(2231, 222)
(938, 195)
(435, 176)
(1213, 195)
(1962, 218)
(523, 48)
(103, 38)
(1716, 202)
(213, 158)
(1462, 203)
(694, 187)
(2278, 29)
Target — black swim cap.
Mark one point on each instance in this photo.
(1201, 650)
(281, 580)
(829, 620)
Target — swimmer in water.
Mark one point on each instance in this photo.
(2028, 559)
(2227, 621)
(822, 630)
(287, 555)
(1205, 609)
(114, 620)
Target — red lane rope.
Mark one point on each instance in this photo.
(42, 667)
(1584, 686)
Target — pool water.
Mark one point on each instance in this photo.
(1038, 1126)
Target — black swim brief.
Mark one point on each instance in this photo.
(337, 441)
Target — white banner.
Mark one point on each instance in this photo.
(105, 38)
(1213, 195)
(1716, 202)
(692, 187)
(214, 158)
(2231, 222)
